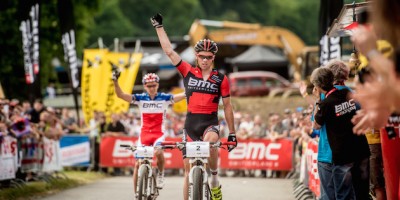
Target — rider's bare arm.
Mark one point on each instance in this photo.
(167, 47)
(228, 110)
(120, 94)
(179, 97)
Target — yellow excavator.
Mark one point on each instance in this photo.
(303, 59)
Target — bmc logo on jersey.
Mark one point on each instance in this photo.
(202, 84)
(152, 105)
(345, 107)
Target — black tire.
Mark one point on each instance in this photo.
(197, 192)
(143, 181)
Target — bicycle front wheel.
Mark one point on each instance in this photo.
(143, 182)
(197, 193)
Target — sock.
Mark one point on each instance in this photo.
(214, 178)
(161, 173)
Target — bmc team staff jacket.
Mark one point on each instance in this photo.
(203, 95)
(153, 111)
(336, 111)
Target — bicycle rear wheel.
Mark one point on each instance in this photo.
(143, 181)
(197, 193)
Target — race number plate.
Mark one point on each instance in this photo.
(144, 152)
(197, 149)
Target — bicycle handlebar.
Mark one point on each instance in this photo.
(213, 144)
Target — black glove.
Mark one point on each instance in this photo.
(156, 20)
(115, 73)
(232, 138)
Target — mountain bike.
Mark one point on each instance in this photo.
(197, 152)
(147, 186)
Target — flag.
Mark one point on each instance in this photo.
(29, 27)
(65, 12)
(93, 84)
(129, 67)
(330, 47)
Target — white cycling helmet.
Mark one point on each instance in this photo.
(150, 77)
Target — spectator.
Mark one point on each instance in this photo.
(259, 128)
(35, 112)
(350, 153)
(115, 127)
(68, 121)
(376, 164)
(50, 91)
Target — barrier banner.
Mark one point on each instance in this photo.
(93, 90)
(312, 167)
(52, 156)
(390, 141)
(8, 157)
(32, 154)
(112, 155)
(259, 154)
(75, 150)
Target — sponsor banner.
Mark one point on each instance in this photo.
(29, 28)
(75, 150)
(259, 154)
(390, 138)
(112, 155)
(329, 47)
(8, 157)
(52, 156)
(127, 78)
(93, 93)
(312, 167)
(181, 106)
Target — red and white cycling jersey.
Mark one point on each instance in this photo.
(153, 113)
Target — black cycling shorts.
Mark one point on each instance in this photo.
(197, 125)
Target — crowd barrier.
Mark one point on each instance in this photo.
(46, 155)
(8, 158)
(249, 154)
(391, 161)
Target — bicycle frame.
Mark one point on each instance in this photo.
(198, 164)
(146, 177)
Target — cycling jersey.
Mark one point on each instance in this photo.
(202, 98)
(153, 112)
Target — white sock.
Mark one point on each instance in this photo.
(161, 173)
(214, 178)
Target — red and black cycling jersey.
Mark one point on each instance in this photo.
(203, 95)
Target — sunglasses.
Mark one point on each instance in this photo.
(205, 57)
(151, 86)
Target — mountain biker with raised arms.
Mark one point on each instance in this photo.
(152, 105)
(204, 87)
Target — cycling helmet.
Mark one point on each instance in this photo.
(206, 45)
(150, 77)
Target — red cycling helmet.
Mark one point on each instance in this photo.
(150, 77)
(206, 45)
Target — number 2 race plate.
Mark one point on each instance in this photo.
(197, 149)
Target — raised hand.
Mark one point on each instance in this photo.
(156, 20)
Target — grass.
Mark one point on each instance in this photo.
(41, 188)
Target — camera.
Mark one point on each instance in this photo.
(362, 16)
(391, 132)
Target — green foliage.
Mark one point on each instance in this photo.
(11, 59)
(111, 19)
